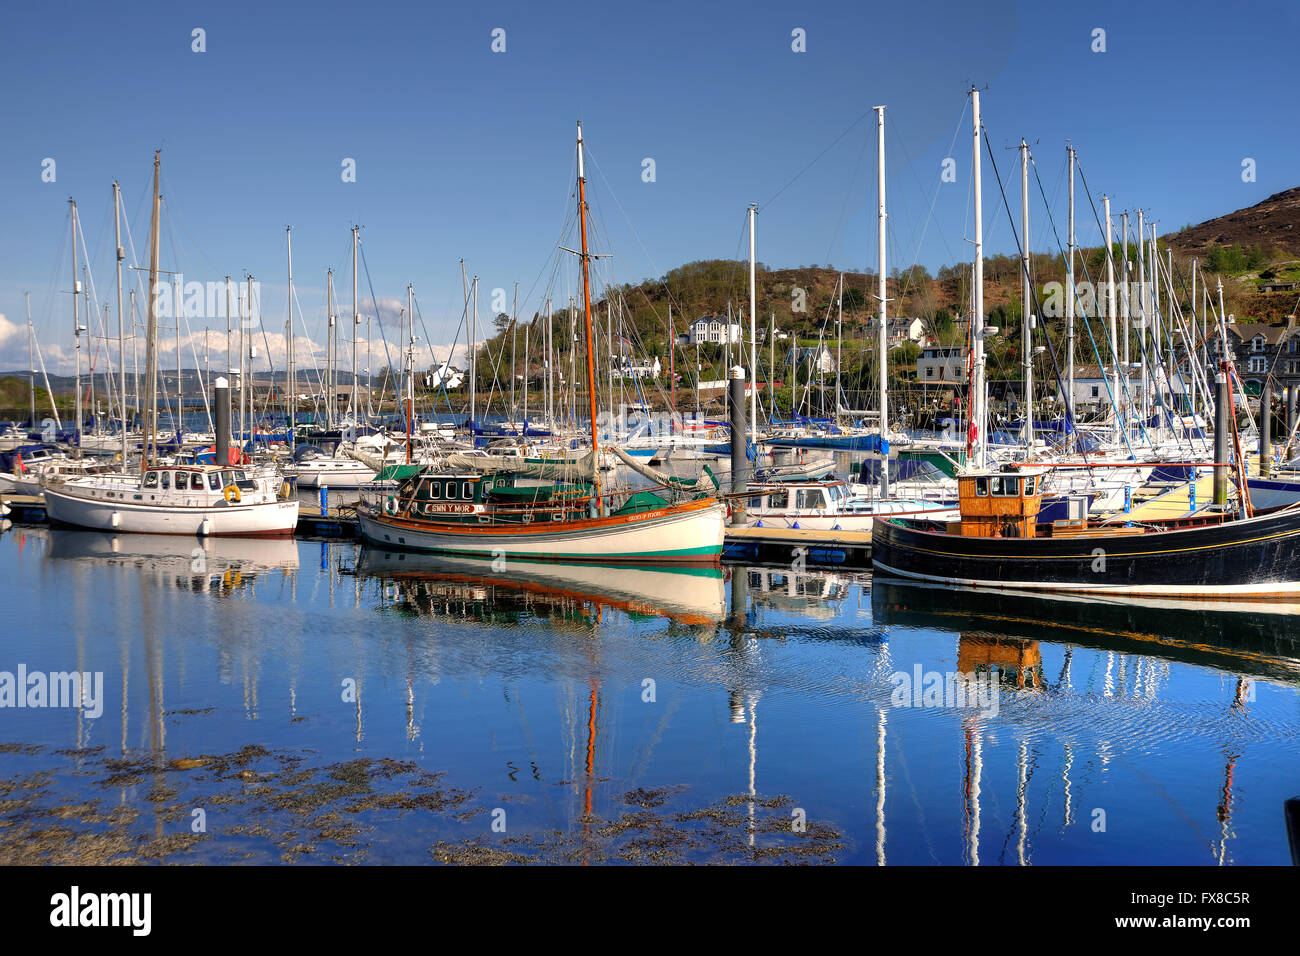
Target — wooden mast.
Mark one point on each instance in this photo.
(586, 302)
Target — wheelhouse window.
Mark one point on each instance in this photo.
(214, 480)
(464, 491)
(778, 499)
(1029, 487)
(166, 479)
(196, 481)
(981, 487)
(435, 489)
(151, 479)
(1006, 486)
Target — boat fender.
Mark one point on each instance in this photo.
(232, 494)
(795, 525)
(284, 489)
(758, 523)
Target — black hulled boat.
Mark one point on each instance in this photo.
(999, 544)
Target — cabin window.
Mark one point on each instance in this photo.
(755, 503)
(214, 481)
(464, 491)
(778, 499)
(166, 479)
(1029, 487)
(435, 489)
(151, 479)
(196, 481)
(811, 498)
(981, 487)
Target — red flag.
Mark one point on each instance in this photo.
(18, 464)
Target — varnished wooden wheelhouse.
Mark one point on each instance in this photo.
(1000, 504)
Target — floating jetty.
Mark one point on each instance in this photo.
(838, 549)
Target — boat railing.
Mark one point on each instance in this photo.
(571, 502)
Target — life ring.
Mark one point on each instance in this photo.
(284, 489)
(232, 494)
(390, 505)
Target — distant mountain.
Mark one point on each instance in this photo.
(1273, 224)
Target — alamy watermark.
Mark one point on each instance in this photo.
(241, 300)
(976, 691)
(25, 688)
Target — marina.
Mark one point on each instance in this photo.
(727, 438)
(525, 689)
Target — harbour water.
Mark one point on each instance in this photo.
(315, 702)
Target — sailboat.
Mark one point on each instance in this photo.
(475, 514)
(190, 499)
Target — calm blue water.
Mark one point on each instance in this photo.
(621, 715)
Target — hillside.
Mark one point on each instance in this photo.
(1272, 225)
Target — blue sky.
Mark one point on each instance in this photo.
(465, 153)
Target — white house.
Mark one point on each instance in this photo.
(446, 376)
(713, 329)
(820, 358)
(901, 329)
(1092, 386)
(941, 365)
(625, 369)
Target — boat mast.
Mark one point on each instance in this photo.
(248, 408)
(1126, 294)
(1143, 311)
(1069, 299)
(76, 325)
(881, 218)
(410, 370)
(839, 344)
(1026, 319)
(135, 357)
(473, 365)
(514, 342)
(977, 402)
(586, 299)
(753, 336)
(31, 357)
(151, 329)
(550, 369)
(356, 321)
(121, 320)
(1110, 313)
(672, 367)
(289, 372)
(331, 346)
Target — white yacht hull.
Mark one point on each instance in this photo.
(72, 507)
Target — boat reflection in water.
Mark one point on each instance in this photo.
(1251, 638)
(430, 584)
(191, 563)
(812, 594)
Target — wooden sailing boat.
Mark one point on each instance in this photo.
(489, 516)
